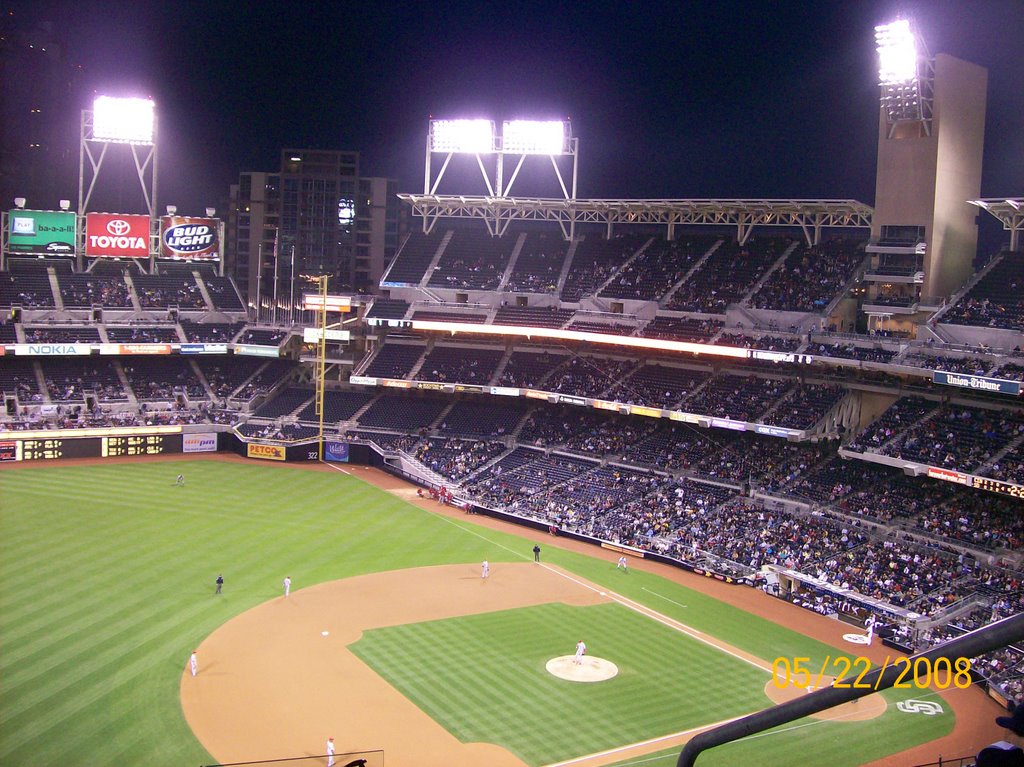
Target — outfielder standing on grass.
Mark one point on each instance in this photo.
(180, 481)
(220, 583)
(622, 564)
(287, 585)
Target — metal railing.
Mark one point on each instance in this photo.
(979, 642)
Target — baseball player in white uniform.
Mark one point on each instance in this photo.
(485, 569)
(581, 650)
(622, 564)
(193, 663)
(287, 585)
(330, 752)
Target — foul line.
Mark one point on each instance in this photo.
(628, 603)
(644, 588)
(643, 743)
(336, 468)
(671, 623)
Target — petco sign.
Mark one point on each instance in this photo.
(110, 234)
(186, 237)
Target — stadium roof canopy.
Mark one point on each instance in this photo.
(498, 212)
(1009, 210)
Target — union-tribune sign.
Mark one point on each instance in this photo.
(189, 237)
(116, 234)
(978, 383)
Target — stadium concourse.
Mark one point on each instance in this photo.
(786, 452)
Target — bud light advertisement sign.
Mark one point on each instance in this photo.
(186, 237)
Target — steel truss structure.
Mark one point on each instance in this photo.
(1010, 211)
(498, 212)
(95, 151)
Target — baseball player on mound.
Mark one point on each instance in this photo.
(581, 650)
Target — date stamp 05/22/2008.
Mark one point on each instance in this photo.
(849, 673)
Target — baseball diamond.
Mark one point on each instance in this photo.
(389, 639)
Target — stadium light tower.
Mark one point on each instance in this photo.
(118, 121)
(518, 138)
(905, 75)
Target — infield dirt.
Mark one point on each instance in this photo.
(287, 708)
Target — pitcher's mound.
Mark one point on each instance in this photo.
(592, 669)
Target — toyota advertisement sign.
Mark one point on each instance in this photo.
(41, 232)
(187, 237)
(114, 234)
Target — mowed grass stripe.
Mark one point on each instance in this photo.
(544, 719)
(109, 571)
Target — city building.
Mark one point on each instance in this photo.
(314, 216)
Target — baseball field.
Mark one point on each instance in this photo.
(390, 638)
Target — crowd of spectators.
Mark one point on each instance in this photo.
(901, 415)
(62, 335)
(588, 376)
(765, 342)
(88, 290)
(851, 351)
(958, 437)
(455, 458)
(810, 279)
(727, 275)
(743, 398)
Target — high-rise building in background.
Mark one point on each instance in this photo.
(319, 211)
(38, 125)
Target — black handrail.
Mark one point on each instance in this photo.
(977, 642)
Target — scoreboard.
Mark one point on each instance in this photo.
(52, 448)
(151, 444)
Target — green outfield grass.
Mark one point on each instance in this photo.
(108, 575)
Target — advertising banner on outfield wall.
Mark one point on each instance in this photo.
(266, 452)
(336, 451)
(114, 234)
(189, 237)
(199, 443)
(41, 232)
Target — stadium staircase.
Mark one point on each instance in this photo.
(210, 396)
(621, 267)
(665, 299)
(133, 294)
(58, 300)
(197, 276)
(570, 255)
(776, 265)
(1012, 445)
(123, 378)
(501, 363)
(435, 260)
(516, 250)
(37, 371)
(857, 275)
(967, 288)
(415, 369)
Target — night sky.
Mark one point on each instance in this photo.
(682, 99)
